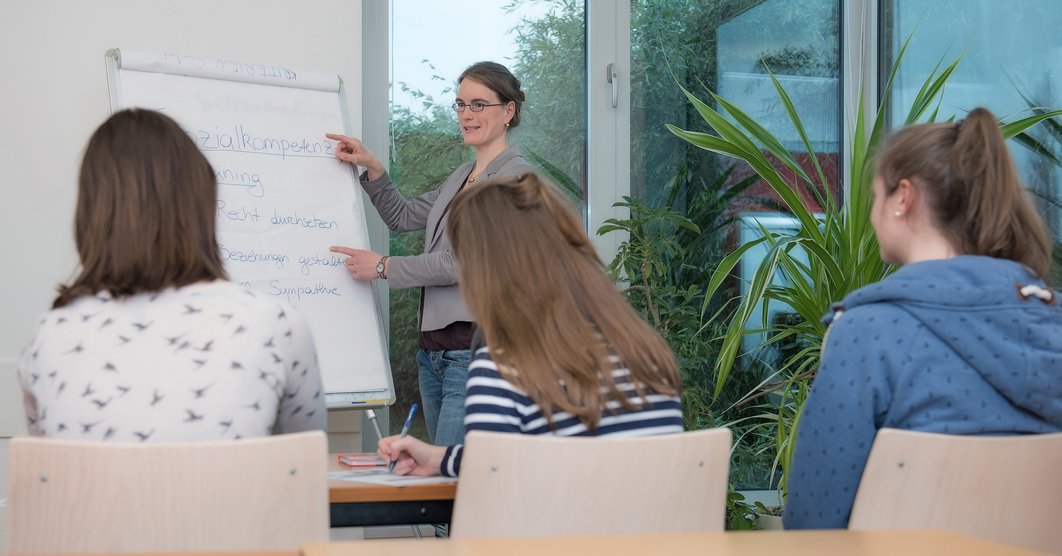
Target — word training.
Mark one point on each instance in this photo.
(250, 181)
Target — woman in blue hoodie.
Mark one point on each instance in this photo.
(965, 338)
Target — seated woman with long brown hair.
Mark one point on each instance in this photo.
(150, 342)
(565, 353)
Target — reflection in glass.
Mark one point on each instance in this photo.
(722, 46)
(431, 43)
(1012, 60)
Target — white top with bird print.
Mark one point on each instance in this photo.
(209, 361)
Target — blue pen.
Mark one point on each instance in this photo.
(405, 431)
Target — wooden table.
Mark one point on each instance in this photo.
(750, 543)
(213, 553)
(747, 543)
(354, 504)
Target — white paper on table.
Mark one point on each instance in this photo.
(385, 477)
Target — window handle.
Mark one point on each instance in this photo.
(613, 77)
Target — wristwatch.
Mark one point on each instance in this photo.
(381, 267)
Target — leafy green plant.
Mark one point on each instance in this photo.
(829, 255)
(1046, 143)
(559, 177)
(740, 515)
(664, 261)
(645, 261)
(666, 258)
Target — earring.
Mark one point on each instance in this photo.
(506, 124)
(899, 213)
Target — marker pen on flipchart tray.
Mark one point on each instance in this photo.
(375, 424)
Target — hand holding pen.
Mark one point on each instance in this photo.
(405, 431)
(409, 456)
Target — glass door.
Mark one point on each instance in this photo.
(431, 43)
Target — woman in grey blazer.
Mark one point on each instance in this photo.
(488, 106)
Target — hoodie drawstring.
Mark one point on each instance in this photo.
(1043, 294)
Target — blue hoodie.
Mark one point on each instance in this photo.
(947, 346)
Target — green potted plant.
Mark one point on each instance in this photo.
(662, 264)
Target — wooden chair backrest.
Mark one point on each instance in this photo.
(524, 485)
(255, 494)
(1003, 488)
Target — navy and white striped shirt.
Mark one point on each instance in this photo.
(495, 404)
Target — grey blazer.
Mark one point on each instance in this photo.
(436, 269)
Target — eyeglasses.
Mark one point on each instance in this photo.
(475, 106)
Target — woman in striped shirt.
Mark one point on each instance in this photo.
(566, 354)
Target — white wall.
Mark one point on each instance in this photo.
(53, 94)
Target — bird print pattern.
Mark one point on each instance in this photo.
(207, 361)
